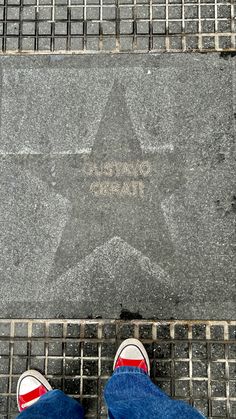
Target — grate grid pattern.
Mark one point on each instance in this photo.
(85, 26)
(193, 361)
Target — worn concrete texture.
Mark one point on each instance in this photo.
(118, 186)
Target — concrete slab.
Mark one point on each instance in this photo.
(118, 186)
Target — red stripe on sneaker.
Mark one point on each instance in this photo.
(138, 363)
(34, 394)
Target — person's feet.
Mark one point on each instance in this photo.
(30, 387)
(131, 353)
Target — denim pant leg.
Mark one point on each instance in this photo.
(130, 394)
(53, 405)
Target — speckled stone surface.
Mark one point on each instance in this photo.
(118, 186)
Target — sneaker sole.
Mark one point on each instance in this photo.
(35, 374)
(139, 345)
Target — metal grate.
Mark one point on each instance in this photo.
(193, 361)
(80, 26)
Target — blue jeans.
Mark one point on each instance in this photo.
(129, 394)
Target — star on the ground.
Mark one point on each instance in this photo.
(115, 190)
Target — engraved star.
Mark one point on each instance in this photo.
(100, 213)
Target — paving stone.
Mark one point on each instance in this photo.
(90, 331)
(232, 388)
(21, 329)
(126, 331)
(232, 351)
(4, 366)
(3, 385)
(217, 370)
(218, 389)
(106, 368)
(72, 367)
(90, 368)
(55, 330)
(233, 408)
(19, 365)
(5, 329)
(181, 350)
(182, 389)
(199, 350)
(73, 348)
(217, 332)
(181, 369)
(198, 331)
(145, 331)
(37, 364)
(217, 350)
(73, 330)
(72, 386)
(202, 405)
(56, 383)
(232, 332)
(20, 348)
(162, 350)
(108, 349)
(4, 348)
(199, 369)
(232, 370)
(150, 350)
(90, 349)
(219, 408)
(54, 366)
(69, 233)
(38, 329)
(163, 332)
(109, 331)
(200, 389)
(90, 386)
(55, 348)
(14, 381)
(181, 331)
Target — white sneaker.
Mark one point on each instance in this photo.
(131, 353)
(30, 387)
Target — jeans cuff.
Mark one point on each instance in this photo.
(125, 370)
